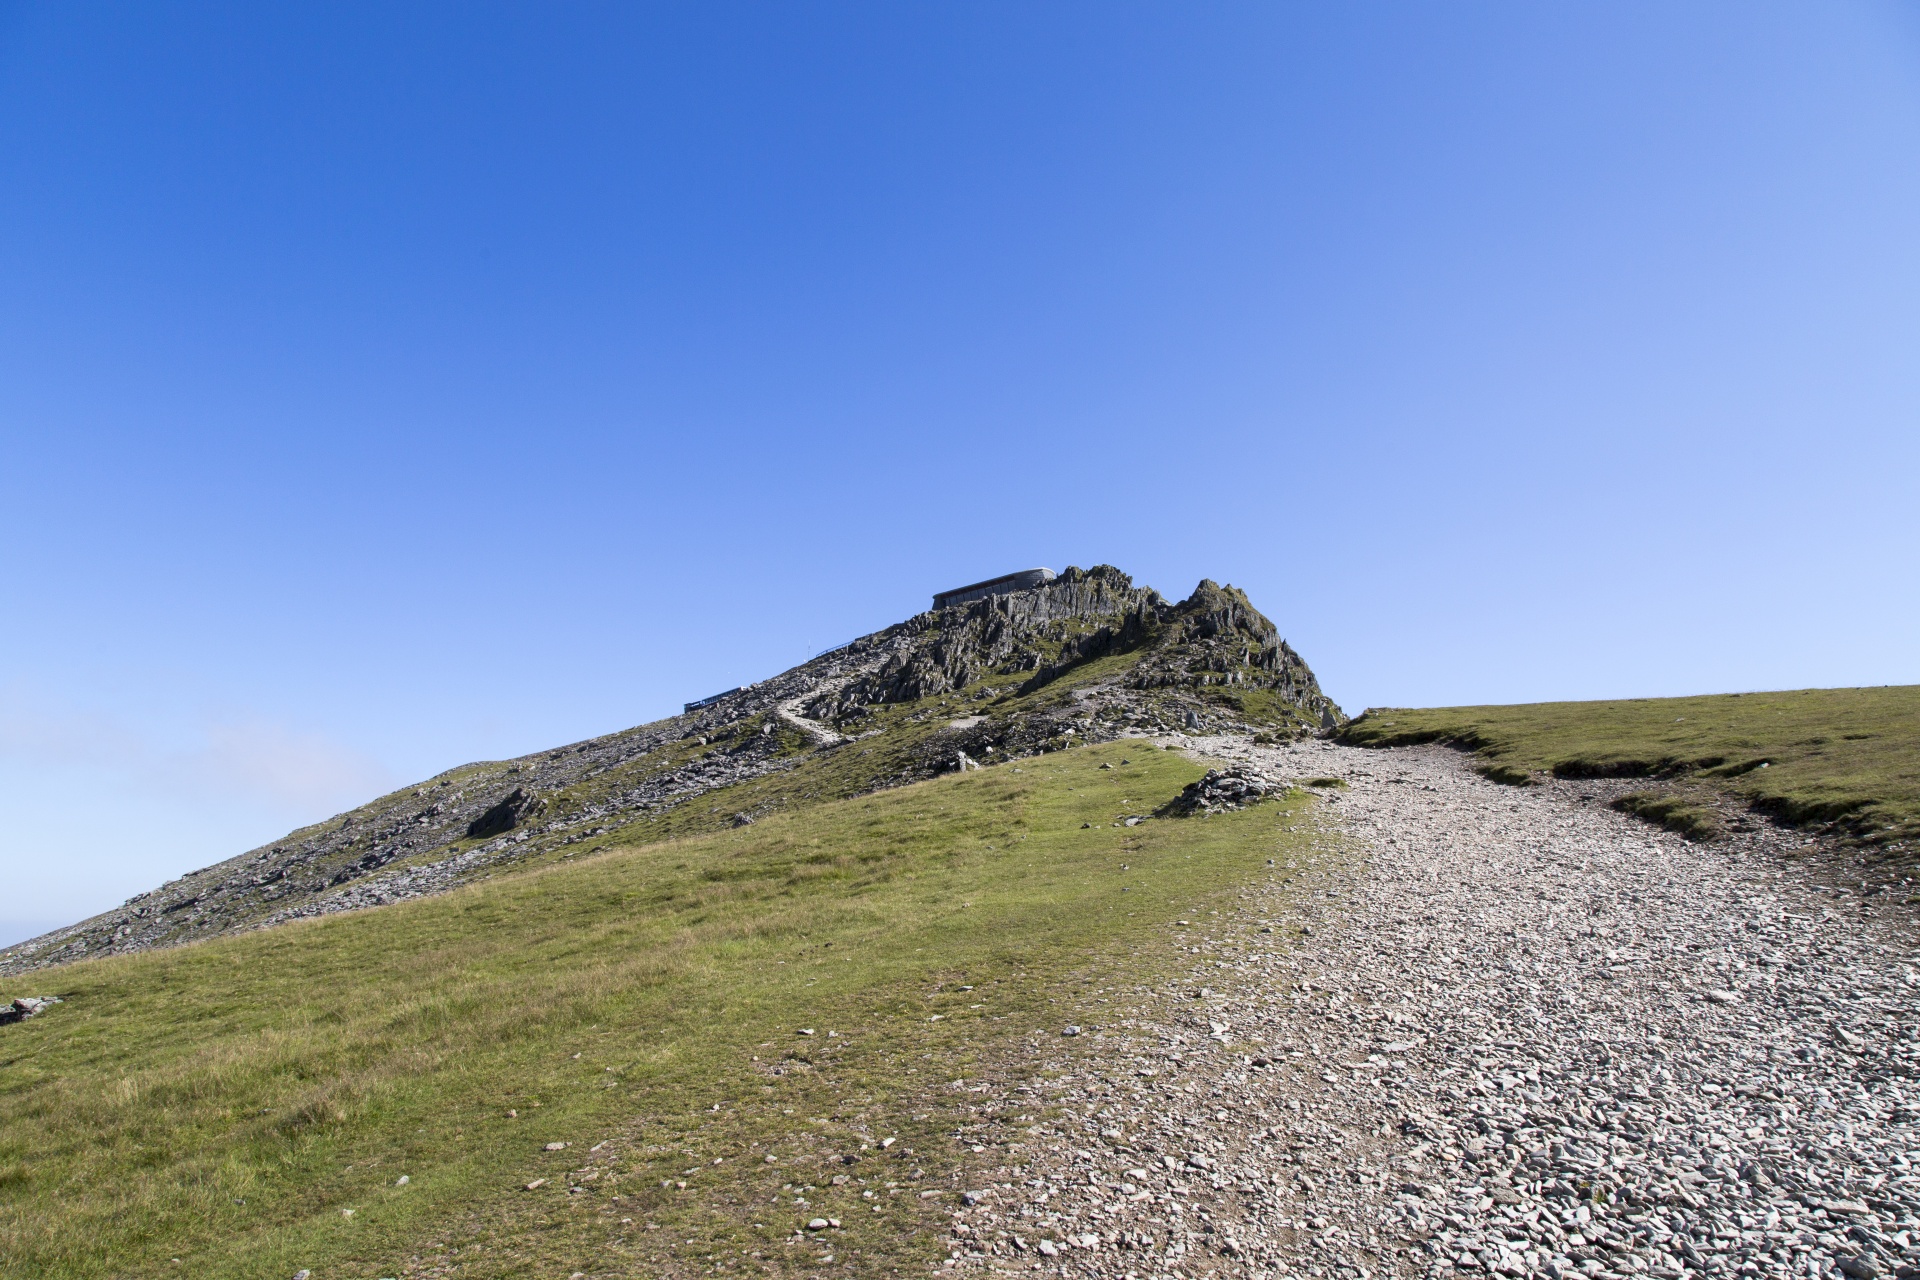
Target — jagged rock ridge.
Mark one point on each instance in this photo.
(1086, 657)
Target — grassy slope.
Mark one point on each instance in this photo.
(901, 732)
(898, 742)
(226, 1103)
(1846, 757)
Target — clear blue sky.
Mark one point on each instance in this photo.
(388, 386)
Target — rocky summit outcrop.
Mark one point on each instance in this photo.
(1214, 645)
(1086, 657)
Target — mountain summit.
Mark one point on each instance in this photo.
(1044, 664)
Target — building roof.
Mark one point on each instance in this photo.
(1007, 581)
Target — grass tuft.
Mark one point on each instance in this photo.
(1672, 812)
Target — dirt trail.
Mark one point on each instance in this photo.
(1498, 1031)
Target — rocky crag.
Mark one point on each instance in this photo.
(1088, 657)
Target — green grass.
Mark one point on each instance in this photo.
(1846, 760)
(227, 1103)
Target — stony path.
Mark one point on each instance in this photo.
(1506, 1031)
(819, 734)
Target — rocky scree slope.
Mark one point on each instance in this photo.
(1087, 657)
(1490, 1032)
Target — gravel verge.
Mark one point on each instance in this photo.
(1492, 1031)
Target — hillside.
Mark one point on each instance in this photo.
(818, 996)
(823, 1014)
(1844, 762)
(1088, 657)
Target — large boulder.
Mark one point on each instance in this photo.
(25, 1007)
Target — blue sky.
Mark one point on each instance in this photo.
(388, 386)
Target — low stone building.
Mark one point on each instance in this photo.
(1021, 581)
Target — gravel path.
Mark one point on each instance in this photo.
(1495, 1031)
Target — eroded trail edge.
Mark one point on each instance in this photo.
(1494, 1030)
